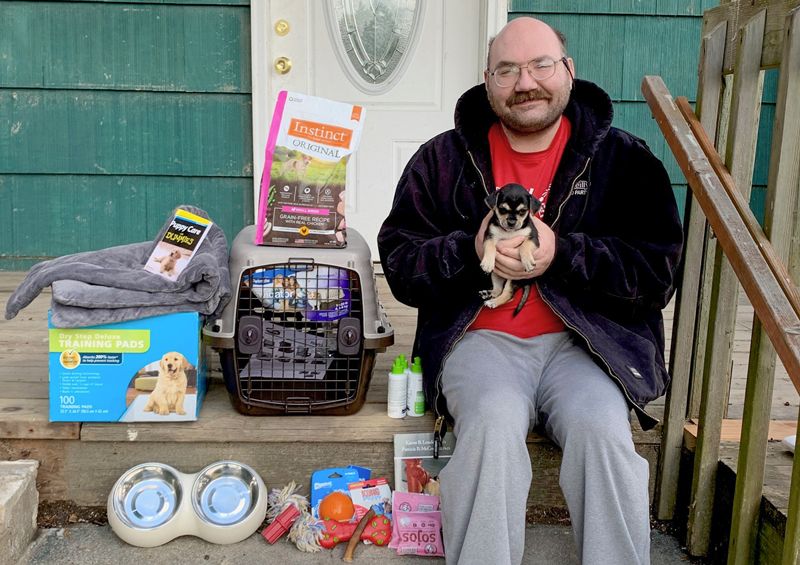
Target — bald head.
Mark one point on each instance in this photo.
(526, 29)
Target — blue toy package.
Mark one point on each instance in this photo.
(321, 293)
(326, 481)
(147, 370)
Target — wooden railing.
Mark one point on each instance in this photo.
(726, 248)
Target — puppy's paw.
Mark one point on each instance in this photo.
(487, 265)
(529, 265)
(485, 294)
(492, 303)
(181, 411)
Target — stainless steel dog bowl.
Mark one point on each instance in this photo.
(147, 507)
(225, 493)
(147, 495)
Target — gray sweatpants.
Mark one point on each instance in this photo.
(498, 387)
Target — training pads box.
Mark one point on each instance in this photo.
(302, 195)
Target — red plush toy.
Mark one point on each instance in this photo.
(378, 531)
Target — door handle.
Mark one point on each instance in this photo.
(283, 65)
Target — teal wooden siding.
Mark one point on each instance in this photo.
(113, 113)
(615, 43)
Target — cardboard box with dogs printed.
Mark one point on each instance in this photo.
(147, 370)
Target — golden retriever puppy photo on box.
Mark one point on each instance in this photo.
(170, 389)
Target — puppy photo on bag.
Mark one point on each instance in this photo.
(512, 216)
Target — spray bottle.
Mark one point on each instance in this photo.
(398, 388)
(416, 394)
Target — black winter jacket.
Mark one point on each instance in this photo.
(618, 245)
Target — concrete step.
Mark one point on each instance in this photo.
(19, 500)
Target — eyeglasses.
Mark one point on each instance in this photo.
(540, 69)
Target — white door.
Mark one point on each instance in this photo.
(406, 61)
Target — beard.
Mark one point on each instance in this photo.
(530, 121)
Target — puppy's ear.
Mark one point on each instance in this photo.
(491, 199)
(534, 204)
(162, 364)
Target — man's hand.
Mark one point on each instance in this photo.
(479, 237)
(507, 263)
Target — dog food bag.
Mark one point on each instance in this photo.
(302, 195)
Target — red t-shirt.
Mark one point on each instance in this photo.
(535, 171)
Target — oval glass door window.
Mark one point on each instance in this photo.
(373, 39)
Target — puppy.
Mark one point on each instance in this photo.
(296, 166)
(512, 208)
(169, 261)
(171, 384)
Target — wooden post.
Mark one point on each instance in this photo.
(740, 158)
(684, 326)
(791, 539)
(782, 189)
(783, 201)
(707, 280)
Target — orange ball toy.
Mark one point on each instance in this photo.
(336, 506)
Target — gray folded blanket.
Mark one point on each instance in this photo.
(111, 285)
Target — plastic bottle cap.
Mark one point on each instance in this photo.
(417, 366)
(397, 368)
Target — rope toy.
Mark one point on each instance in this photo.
(288, 511)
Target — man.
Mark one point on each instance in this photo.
(588, 344)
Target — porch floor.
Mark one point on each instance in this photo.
(81, 462)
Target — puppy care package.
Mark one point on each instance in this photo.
(302, 196)
(146, 370)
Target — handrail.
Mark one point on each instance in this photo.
(772, 304)
(742, 206)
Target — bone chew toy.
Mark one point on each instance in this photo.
(281, 524)
(378, 531)
(351, 545)
(285, 506)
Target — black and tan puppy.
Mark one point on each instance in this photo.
(512, 208)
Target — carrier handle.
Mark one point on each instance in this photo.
(302, 261)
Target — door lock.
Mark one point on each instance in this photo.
(283, 65)
(281, 27)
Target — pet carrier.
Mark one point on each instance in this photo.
(301, 331)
